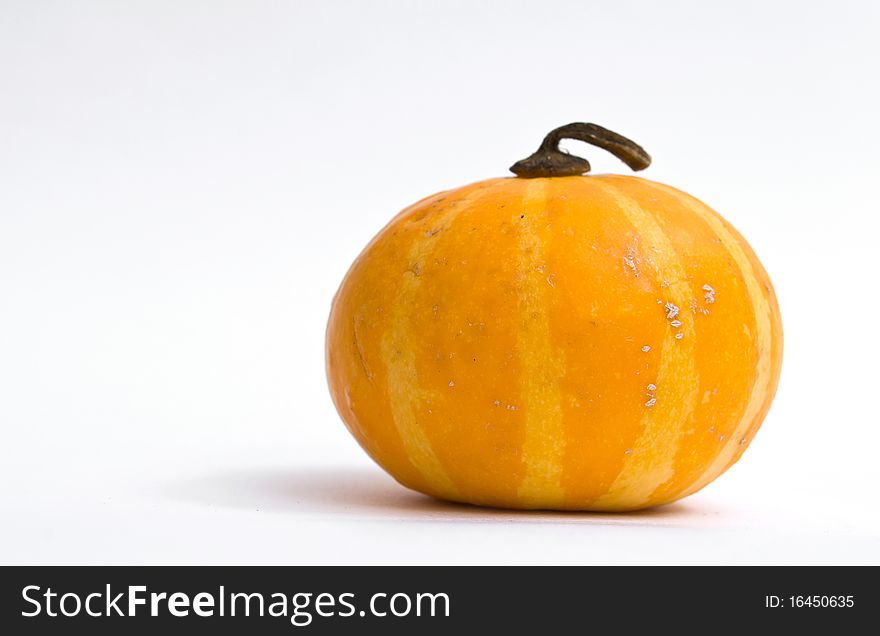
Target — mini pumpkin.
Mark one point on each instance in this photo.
(556, 340)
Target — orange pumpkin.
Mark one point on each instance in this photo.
(556, 340)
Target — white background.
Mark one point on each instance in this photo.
(184, 184)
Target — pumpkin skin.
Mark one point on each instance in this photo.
(600, 343)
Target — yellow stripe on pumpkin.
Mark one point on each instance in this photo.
(399, 348)
(543, 363)
(651, 462)
(763, 335)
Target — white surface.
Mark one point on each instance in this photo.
(183, 185)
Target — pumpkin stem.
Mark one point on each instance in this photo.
(550, 161)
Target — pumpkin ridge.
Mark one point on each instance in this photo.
(664, 420)
(775, 351)
(399, 357)
(543, 363)
(716, 414)
(763, 317)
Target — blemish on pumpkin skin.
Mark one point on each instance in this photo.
(646, 348)
(359, 347)
(710, 294)
(651, 402)
(632, 261)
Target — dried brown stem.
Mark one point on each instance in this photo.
(550, 161)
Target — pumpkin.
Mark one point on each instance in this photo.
(556, 340)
